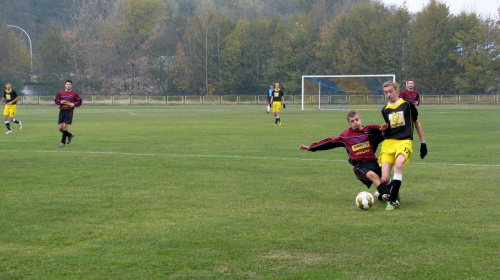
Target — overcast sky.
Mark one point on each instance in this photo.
(483, 8)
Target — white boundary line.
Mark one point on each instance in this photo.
(234, 156)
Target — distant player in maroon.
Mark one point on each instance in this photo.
(409, 94)
(67, 100)
(361, 143)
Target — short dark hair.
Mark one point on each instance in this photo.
(352, 114)
(69, 81)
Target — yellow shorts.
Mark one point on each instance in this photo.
(10, 110)
(276, 106)
(391, 148)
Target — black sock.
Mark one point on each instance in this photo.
(276, 121)
(396, 184)
(383, 189)
(15, 121)
(7, 125)
(63, 140)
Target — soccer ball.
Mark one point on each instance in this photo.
(364, 200)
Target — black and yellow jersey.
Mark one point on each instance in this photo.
(401, 118)
(277, 95)
(9, 96)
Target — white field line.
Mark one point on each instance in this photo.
(234, 156)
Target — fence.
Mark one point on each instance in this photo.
(258, 99)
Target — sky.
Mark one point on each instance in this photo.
(484, 8)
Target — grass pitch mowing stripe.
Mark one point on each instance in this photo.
(237, 156)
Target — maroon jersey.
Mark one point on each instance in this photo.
(410, 96)
(67, 96)
(359, 145)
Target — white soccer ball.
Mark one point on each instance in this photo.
(365, 200)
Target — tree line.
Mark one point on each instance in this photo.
(239, 47)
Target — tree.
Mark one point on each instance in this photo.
(54, 58)
(181, 76)
(430, 48)
(205, 39)
(359, 41)
(15, 57)
(475, 54)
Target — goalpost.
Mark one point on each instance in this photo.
(324, 90)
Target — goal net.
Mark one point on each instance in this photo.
(342, 92)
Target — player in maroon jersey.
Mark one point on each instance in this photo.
(360, 142)
(67, 100)
(409, 94)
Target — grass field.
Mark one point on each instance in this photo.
(219, 193)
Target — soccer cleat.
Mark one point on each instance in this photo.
(20, 125)
(62, 145)
(377, 195)
(281, 122)
(389, 207)
(8, 132)
(387, 198)
(69, 138)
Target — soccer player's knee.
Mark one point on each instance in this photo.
(385, 179)
(371, 175)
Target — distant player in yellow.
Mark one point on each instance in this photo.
(277, 99)
(10, 97)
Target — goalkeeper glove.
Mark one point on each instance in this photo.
(284, 106)
(423, 150)
(374, 131)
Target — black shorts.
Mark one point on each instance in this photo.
(65, 116)
(361, 168)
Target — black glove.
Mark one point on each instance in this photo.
(284, 106)
(423, 150)
(374, 131)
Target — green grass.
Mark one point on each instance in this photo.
(219, 193)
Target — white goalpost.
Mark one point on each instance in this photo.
(324, 90)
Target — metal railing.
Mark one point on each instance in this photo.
(360, 99)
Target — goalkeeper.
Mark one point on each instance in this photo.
(361, 142)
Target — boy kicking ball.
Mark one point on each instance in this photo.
(360, 142)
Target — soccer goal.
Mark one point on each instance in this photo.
(341, 92)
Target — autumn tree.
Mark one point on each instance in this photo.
(15, 57)
(431, 44)
(475, 54)
(54, 58)
(205, 39)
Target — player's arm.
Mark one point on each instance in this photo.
(325, 144)
(423, 144)
(77, 102)
(420, 131)
(3, 99)
(417, 100)
(58, 99)
(12, 101)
